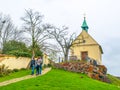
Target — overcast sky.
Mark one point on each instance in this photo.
(102, 16)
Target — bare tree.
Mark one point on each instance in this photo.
(61, 36)
(6, 29)
(52, 51)
(17, 35)
(34, 27)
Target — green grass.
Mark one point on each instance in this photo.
(15, 75)
(60, 80)
(114, 80)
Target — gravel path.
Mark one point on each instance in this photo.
(23, 78)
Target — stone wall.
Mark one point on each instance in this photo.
(93, 71)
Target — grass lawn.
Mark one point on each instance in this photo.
(15, 75)
(114, 80)
(60, 80)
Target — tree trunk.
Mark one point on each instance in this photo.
(33, 53)
(66, 56)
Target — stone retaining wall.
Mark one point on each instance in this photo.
(96, 72)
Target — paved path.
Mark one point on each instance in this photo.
(23, 78)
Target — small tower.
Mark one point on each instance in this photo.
(84, 25)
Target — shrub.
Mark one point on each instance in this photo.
(20, 54)
(23, 69)
(4, 70)
(45, 66)
(13, 45)
(15, 70)
(1, 75)
(9, 70)
(49, 65)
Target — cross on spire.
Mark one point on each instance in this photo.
(84, 15)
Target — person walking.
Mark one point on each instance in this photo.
(32, 65)
(39, 66)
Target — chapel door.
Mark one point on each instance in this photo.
(84, 55)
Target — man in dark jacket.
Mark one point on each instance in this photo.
(32, 65)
